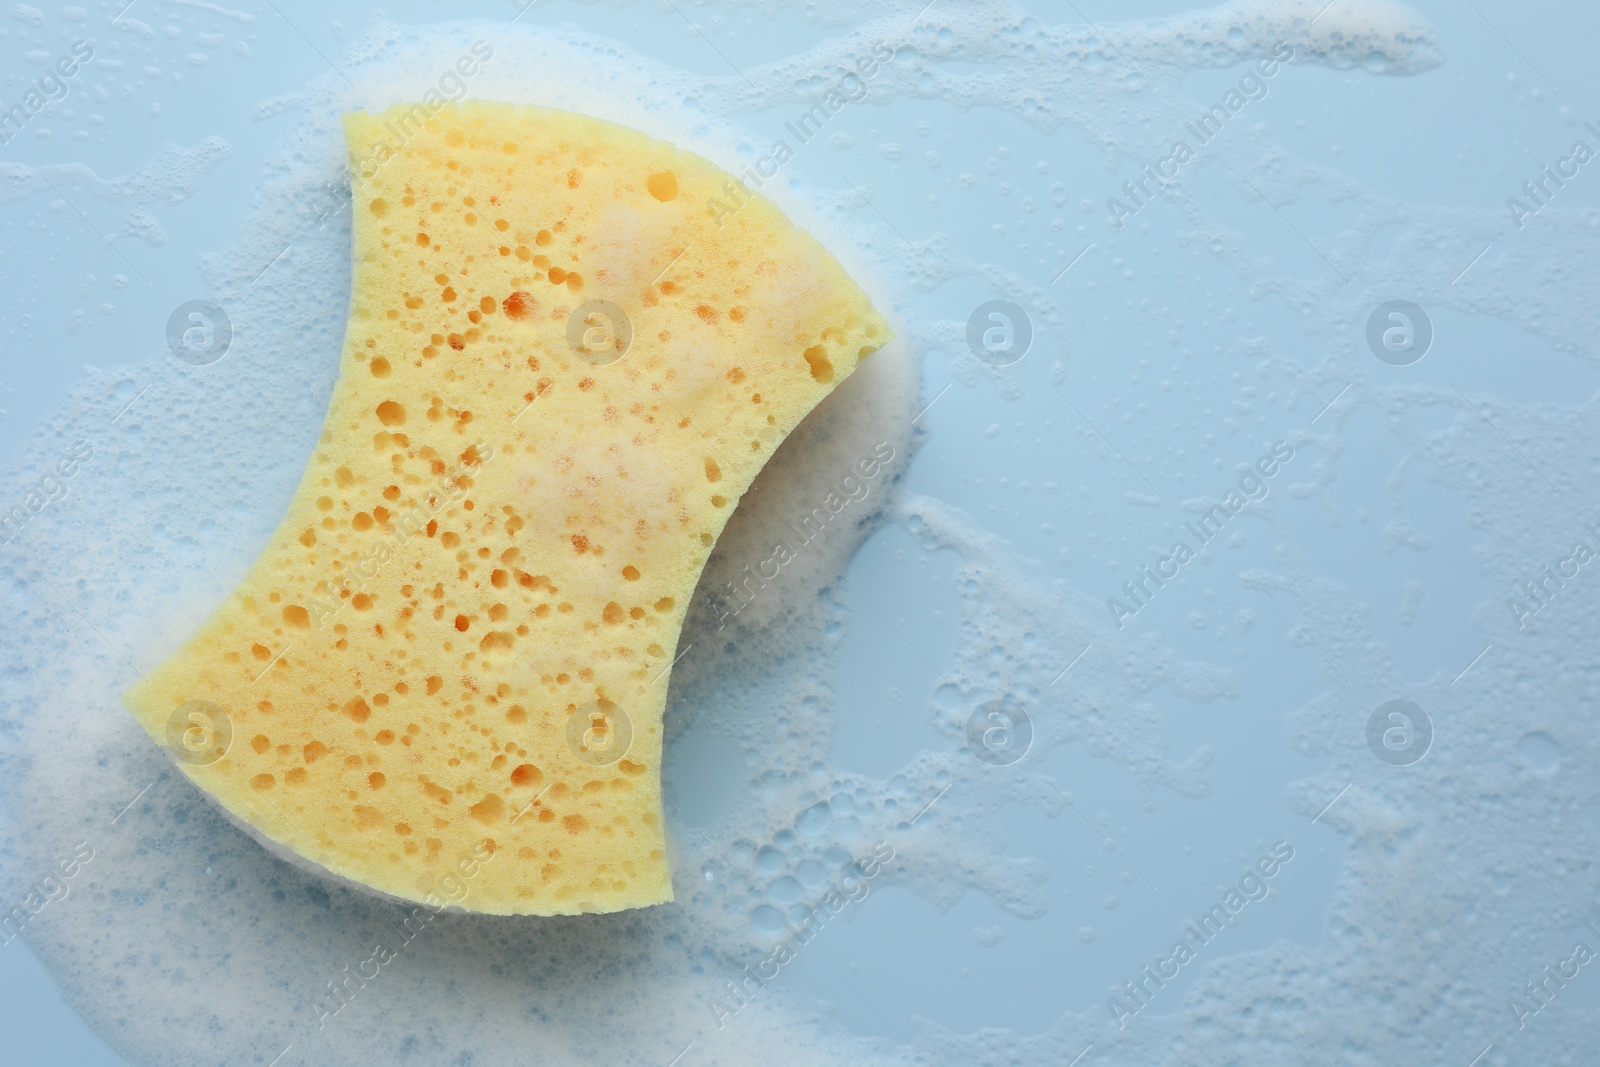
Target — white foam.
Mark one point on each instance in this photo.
(185, 942)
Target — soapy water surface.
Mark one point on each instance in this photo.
(1341, 463)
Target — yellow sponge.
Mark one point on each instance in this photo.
(565, 362)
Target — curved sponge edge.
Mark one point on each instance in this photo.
(561, 372)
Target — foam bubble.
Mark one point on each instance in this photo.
(190, 467)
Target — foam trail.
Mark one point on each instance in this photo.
(185, 943)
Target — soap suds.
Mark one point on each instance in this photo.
(187, 482)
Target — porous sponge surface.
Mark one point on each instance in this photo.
(457, 643)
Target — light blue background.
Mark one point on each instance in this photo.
(1465, 134)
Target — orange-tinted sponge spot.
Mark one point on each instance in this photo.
(453, 654)
(663, 185)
